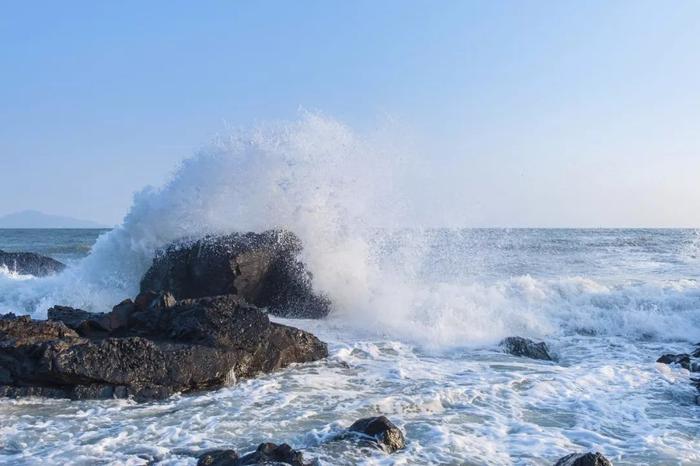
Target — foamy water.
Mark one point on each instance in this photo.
(418, 315)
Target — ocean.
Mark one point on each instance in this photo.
(415, 340)
(418, 315)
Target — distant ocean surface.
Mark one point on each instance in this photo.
(414, 338)
(64, 244)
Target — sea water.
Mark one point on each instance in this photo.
(414, 334)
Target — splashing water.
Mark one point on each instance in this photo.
(417, 313)
(346, 197)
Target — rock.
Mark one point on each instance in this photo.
(382, 432)
(70, 316)
(519, 346)
(267, 453)
(193, 345)
(681, 359)
(584, 459)
(86, 324)
(263, 269)
(29, 263)
(22, 331)
(218, 458)
(271, 453)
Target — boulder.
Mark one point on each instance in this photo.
(682, 360)
(262, 268)
(218, 458)
(86, 324)
(584, 459)
(519, 346)
(146, 353)
(273, 453)
(29, 263)
(266, 453)
(381, 431)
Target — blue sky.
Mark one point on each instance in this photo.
(545, 113)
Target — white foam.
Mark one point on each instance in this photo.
(333, 188)
(407, 341)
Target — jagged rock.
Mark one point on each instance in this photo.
(381, 431)
(273, 453)
(134, 315)
(519, 346)
(682, 360)
(191, 345)
(86, 324)
(584, 459)
(218, 458)
(266, 453)
(29, 263)
(70, 316)
(263, 268)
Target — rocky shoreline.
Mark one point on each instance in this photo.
(199, 322)
(688, 361)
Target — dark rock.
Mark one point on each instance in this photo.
(22, 331)
(584, 459)
(381, 431)
(218, 458)
(267, 453)
(192, 345)
(263, 269)
(148, 300)
(681, 359)
(86, 324)
(272, 453)
(695, 382)
(29, 263)
(519, 346)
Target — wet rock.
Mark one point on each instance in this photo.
(519, 346)
(218, 458)
(272, 453)
(381, 431)
(682, 360)
(86, 324)
(193, 345)
(263, 269)
(29, 263)
(266, 453)
(17, 331)
(584, 459)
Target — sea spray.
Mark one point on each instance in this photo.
(348, 196)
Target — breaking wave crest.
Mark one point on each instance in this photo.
(340, 192)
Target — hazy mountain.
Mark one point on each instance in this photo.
(36, 219)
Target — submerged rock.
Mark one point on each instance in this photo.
(266, 453)
(519, 346)
(29, 263)
(381, 431)
(263, 268)
(584, 459)
(146, 352)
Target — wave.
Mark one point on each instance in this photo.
(334, 188)
(13, 275)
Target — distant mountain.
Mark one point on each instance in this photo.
(36, 219)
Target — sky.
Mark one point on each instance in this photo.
(528, 113)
